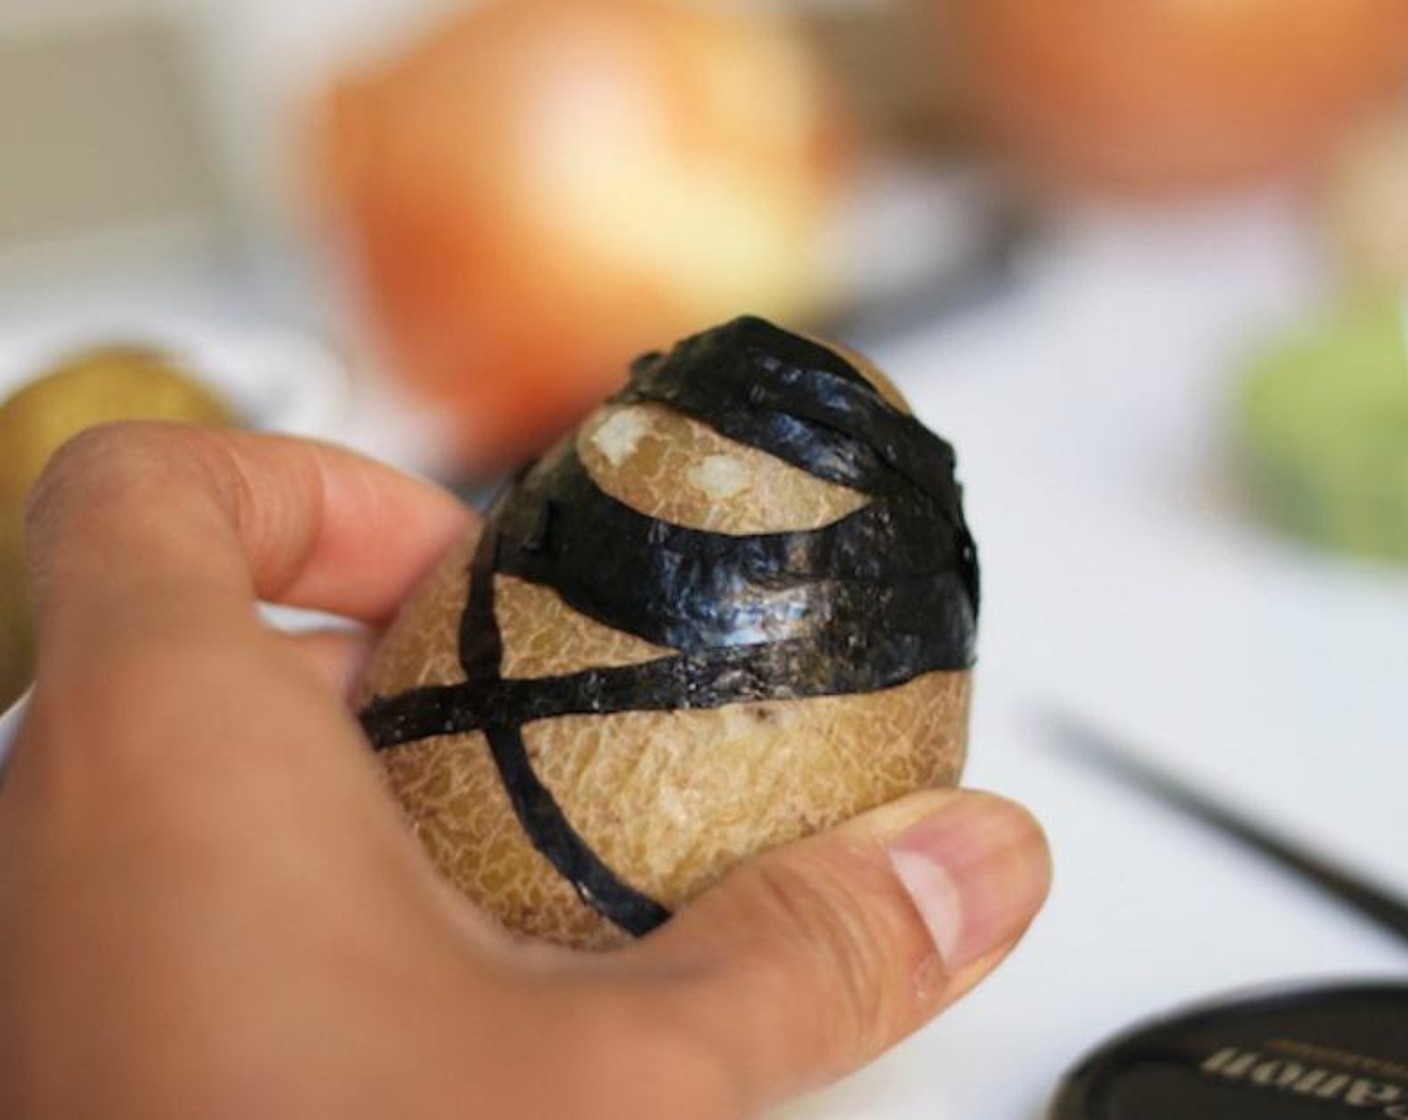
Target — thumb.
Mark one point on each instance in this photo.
(806, 962)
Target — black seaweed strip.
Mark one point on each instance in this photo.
(787, 670)
(866, 603)
(806, 404)
(884, 573)
(542, 819)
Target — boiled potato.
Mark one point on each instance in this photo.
(113, 382)
(736, 606)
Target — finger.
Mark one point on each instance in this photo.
(805, 963)
(336, 655)
(166, 520)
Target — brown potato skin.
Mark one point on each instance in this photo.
(669, 800)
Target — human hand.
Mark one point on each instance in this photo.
(210, 907)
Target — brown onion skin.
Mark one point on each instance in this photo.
(493, 294)
(1170, 96)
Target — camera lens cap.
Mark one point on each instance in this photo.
(1296, 1055)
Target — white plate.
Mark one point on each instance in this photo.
(276, 379)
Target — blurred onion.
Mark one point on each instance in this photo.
(1367, 201)
(545, 188)
(1156, 95)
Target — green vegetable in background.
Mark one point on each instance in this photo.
(1322, 423)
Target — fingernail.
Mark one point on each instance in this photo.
(977, 870)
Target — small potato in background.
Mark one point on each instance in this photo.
(111, 382)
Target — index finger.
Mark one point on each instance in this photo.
(195, 525)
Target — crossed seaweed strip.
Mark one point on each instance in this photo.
(865, 603)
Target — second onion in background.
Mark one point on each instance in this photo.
(542, 189)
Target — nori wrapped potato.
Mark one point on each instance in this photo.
(736, 606)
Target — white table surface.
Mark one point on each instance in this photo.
(1122, 582)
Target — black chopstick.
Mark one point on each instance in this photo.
(1078, 739)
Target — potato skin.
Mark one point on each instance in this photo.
(668, 800)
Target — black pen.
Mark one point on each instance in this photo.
(1079, 740)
